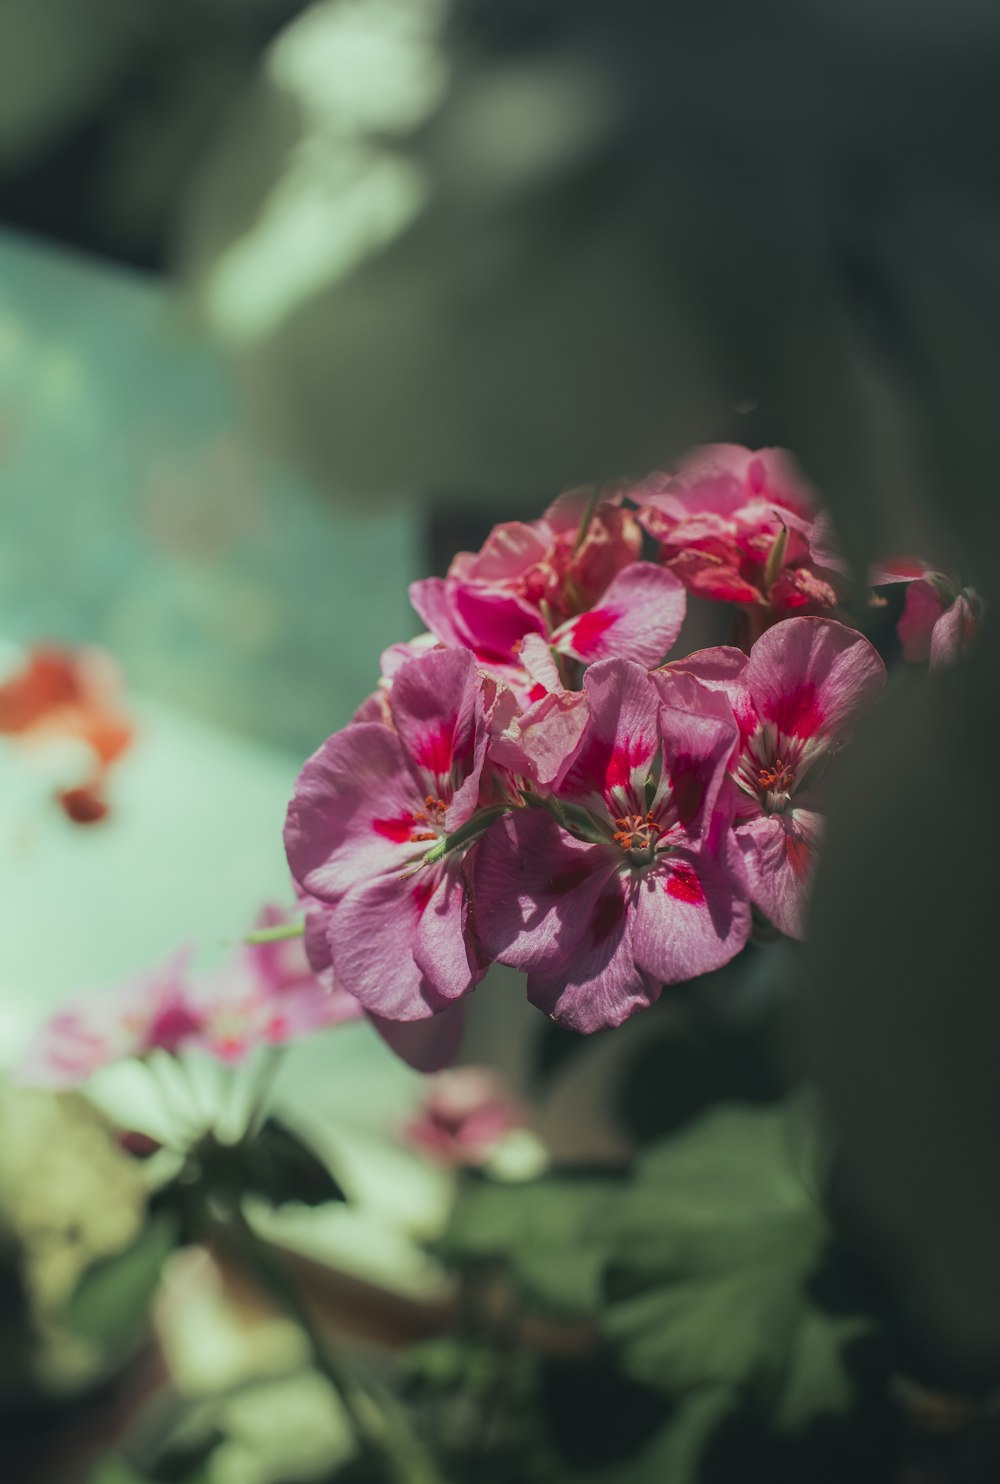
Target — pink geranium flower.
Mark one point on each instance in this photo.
(464, 1115)
(368, 829)
(630, 878)
(264, 994)
(737, 526)
(151, 1012)
(547, 563)
(795, 699)
(940, 617)
(586, 601)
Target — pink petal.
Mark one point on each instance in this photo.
(697, 749)
(536, 889)
(509, 549)
(620, 739)
(432, 598)
(921, 611)
(427, 1045)
(437, 708)
(813, 677)
(376, 933)
(536, 657)
(598, 984)
(537, 744)
(692, 914)
(721, 671)
(351, 813)
(953, 633)
(638, 618)
(779, 851)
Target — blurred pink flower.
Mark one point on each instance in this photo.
(464, 1114)
(150, 1012)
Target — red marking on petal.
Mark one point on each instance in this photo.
(797, 713)
(798, 855)
(623, 762)
(608, 914)
(688, 788)
(756, 475)
(434, 751)
(588, 630)
(537, 692)
(683, 885)
(422, 893)
(398, 830)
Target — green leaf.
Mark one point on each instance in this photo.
(279, 1165)
(710, 1281)
(548, 1234)
(111, 1301)
(114, 1470)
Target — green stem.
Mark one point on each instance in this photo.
(386, 1438)
(277, 934)
(262, 1086)
(465, 832)
(586, 518)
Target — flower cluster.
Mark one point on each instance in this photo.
(538, 782)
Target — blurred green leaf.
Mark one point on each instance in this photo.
(111, 1300)
(115, 1471)
(549, 1234)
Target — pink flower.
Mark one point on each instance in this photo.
(544, 563)
(464, 1115)
(531, 581)
(737, 526)
(366, 833)
(264, 994)
(150, 1012)
(939, 621)
(631, 878)
(795, 699)
(638, 618)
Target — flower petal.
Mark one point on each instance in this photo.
(376, 936)
(426, 1045)
(812, 677)
(692, 914)
(352, 811)
(779, 851)
(638, 618)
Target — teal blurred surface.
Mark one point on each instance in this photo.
(137, 512)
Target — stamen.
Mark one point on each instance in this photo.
(779, 776)
(636, 831)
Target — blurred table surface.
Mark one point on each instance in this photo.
(248, 612)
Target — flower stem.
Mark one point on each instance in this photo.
(277, 934)
(262, 1085)
(383, 1434)
(586, 518)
